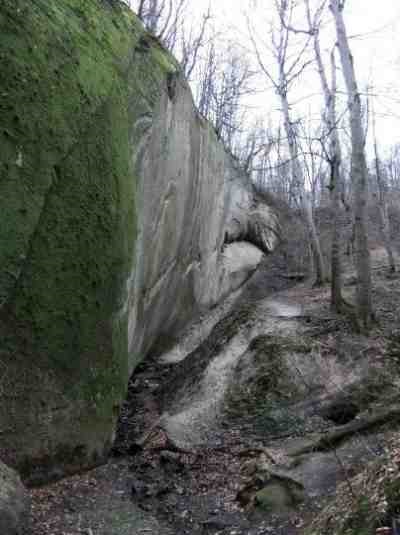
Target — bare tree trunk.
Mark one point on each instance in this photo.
(298, 184)
(335, 186)
(334, 154)
(384, 230)
(318, 259)
(297, 171)
(153, 15)
(140, 10)
(289, 70)
(384, 227)
(358, 171)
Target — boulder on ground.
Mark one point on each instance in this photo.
(14, 503)
(270, 489)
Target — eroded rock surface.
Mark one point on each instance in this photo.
(202, 230)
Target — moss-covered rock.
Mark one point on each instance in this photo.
(270, 490)
(279, 497)
(73, 71)
(274, 499)
(264, 391)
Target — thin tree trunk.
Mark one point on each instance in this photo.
(140, 12)
(358, 172)
(335, 158)
(287, 74)
(385, 235)
(384, 227)
(318, 259)
(336, 181)
(298, 184)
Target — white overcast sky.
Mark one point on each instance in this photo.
(376, 52)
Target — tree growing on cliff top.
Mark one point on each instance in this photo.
(223, 80)
(167, 20)
(163, 18)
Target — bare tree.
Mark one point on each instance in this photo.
(392, 165)
(288, 71)
(358, 169)
(161, 17)
(381, 197)
(334, 153)
(310, 139)
(191, 43)
(336, 188)
(224, 79)
(262, 156)
(254, 152)
(206, 81)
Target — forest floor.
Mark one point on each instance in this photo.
(267, 406)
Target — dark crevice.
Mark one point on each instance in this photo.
(340, 413)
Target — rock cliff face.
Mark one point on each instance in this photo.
(122, 217)
(201, 232)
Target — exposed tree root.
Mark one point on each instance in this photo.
(332, 438)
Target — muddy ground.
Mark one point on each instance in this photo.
(249, 390)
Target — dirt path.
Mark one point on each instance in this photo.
(98, 502)
(199, 406)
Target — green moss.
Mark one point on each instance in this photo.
(159, 57)
(79, 257)
(392, 494)
(263, 400)
(279, 497)
(274, 499)
(362, 521)
(56, 70)
(74, 81)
